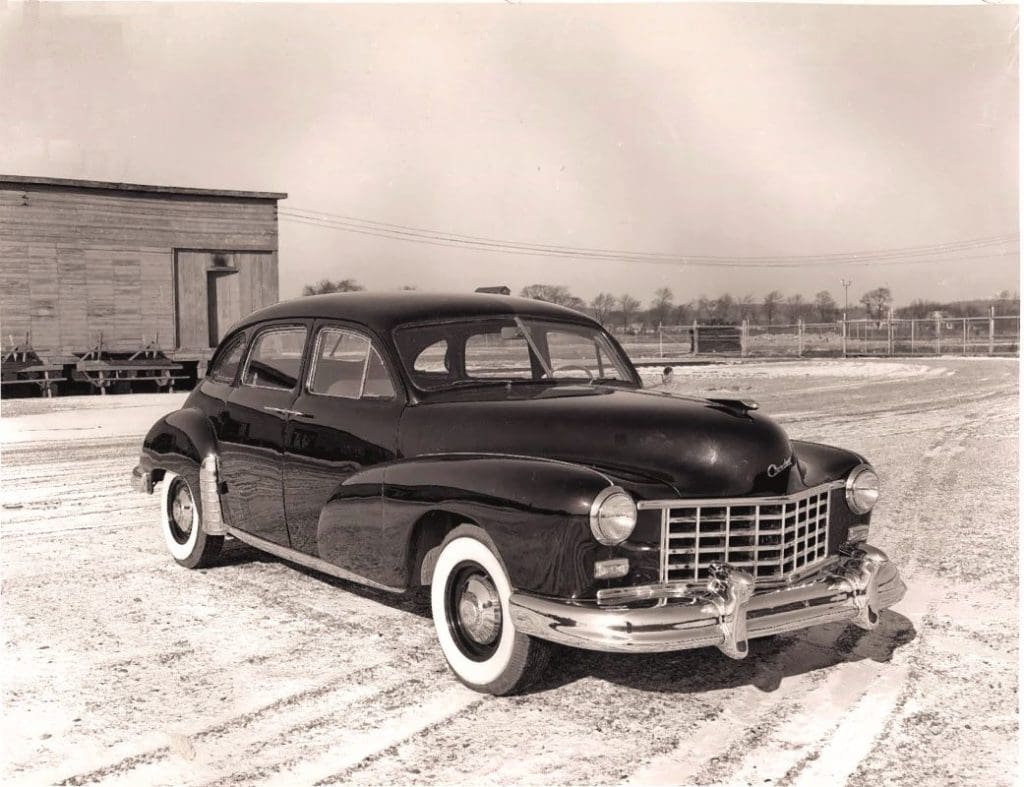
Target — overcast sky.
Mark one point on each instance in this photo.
(724, 130)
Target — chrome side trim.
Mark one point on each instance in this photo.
(209, 497)
(500, 455)
(315, 563)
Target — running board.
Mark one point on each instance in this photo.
(315, 563)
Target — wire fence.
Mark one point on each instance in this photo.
(886, 337)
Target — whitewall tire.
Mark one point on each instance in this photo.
(469, 595)
(181, 525)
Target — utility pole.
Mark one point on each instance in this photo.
(846, 306)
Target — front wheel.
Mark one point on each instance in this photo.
(469, 596)
(186, 540)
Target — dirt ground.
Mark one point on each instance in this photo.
(119, 667)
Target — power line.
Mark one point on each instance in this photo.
(479, 243)
(407, 230)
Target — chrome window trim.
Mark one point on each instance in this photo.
(239, 338)
(370, 347)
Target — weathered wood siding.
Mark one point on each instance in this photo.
(78, 262)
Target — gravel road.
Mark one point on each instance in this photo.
(119, 667)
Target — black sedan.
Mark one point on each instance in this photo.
(504, 453)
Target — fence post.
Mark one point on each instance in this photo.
(913, 322)
(844, 334)
(661, 344)
(799, 337)
(889, 330)
(938, 334)
(696, 339)
(991, 330)
(743, 339)
(965, 336)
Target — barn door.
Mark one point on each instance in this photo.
(191, 308)
(224, 305)
(213, 290)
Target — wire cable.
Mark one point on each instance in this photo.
(938, 253)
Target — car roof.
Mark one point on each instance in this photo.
(384, 311)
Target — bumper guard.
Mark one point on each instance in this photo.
(724, 612)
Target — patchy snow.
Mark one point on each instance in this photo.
(121, 667)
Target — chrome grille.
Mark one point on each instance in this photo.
(774, 538)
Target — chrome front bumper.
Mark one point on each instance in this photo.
(724, 612)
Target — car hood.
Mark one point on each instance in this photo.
(698, 447)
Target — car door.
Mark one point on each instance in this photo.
(252, 430)
(350, 404)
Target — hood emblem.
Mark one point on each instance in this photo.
(774, 470)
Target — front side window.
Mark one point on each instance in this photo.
(347, 365)
(226, 366)
(578, 353)
(275, 358)
(492, 354)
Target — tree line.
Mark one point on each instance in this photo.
(626, 312)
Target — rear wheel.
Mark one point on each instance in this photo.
(469, 597)
(180, 523)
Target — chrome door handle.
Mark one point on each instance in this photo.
(285, 411)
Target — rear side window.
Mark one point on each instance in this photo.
(275, 358)
(346, 365)
(226, 366)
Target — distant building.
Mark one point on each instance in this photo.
(499, 290)
(97, 272)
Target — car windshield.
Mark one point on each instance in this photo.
(509, 350)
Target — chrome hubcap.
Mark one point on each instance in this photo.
(182, 510)
(479, 610)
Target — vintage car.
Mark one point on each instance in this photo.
(504, 453)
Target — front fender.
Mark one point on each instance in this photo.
(179, 442)
(535, 511)
(816, 464)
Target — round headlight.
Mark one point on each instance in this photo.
(612, 516)
(862, 489)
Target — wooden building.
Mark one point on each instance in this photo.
(98, 280)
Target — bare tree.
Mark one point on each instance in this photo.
(553, 293)
(796, 307)
(825, 304)
(628, 306)
(602, 306)
(661, 306)
(722, 309)
(746, 306)
(771, 304)
(877, 302)
(682, 314)
(325, 286)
